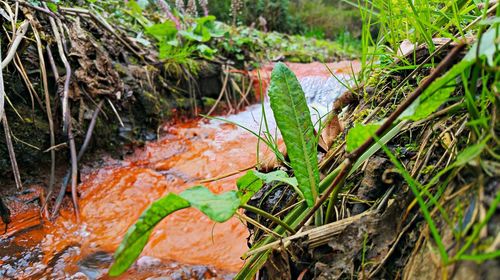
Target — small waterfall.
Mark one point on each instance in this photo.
(320, 92)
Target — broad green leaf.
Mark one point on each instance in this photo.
(294, 121)
(218, 208)
(134, 7)
(279, 176)
(205, 20)
(359, 134)
(190, 35)
(52, 6)
(427, 103)
(470, 153)
(217, 29)
(205, 51)
(248, 185)
(162, 31)
(253, 180)
(137, 236)
(438, 92)
(490, 42)
(201, 30)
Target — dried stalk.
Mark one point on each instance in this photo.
(221, 94)
(316, 236)
(15, 44)
(228, 174)
(83, 148)
(90, 130)
(2, 92)
(65, 97)
(244, 97)
(8, 139)
(66, 116)
(12, 154)
(49, 112)
(74, 171)
(40, 9)
(116, 112)
(56, 76)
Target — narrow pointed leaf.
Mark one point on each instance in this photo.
(294, 121)
(138, 235)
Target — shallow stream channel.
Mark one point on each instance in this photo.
(113, 194)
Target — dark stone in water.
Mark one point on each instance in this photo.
(95, 265)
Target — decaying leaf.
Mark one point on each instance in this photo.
(332, 129)
(95, 74)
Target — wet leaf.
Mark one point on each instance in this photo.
(253, 180)
(470, 153)
(279, 176)
(487, 48)
(134, 7)
(162, 31)
(332, 129)
(428, 103)
(293, 119)
(138, 235)
(205, 51)
(218, 208)
(359, 134)
(248, 185)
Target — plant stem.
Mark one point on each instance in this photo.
(268, 216)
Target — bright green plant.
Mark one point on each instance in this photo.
(294, 121)
(218, 207)
(482, 55)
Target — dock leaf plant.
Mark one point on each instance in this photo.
(294, 121)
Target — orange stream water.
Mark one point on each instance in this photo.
(113, 197)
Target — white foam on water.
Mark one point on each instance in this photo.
(320, 93)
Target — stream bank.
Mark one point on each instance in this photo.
(184, 246)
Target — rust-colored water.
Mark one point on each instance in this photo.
(113, 196)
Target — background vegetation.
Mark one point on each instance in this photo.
(332, 19)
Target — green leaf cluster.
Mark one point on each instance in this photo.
(218, 207)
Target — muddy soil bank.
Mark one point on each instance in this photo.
(136, 96)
